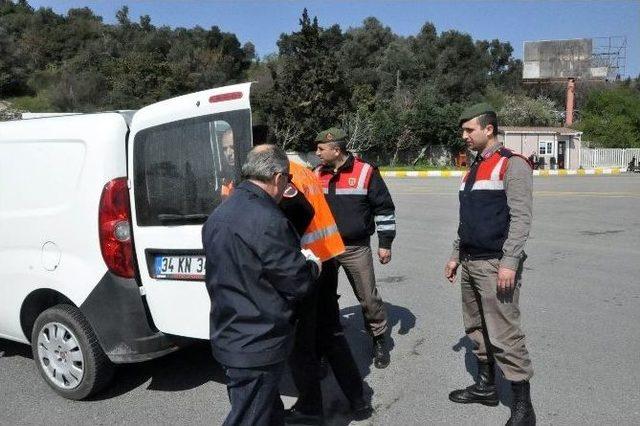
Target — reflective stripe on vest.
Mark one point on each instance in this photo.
(311, 237)
(364, 174)
(490, 174)
(350, 191)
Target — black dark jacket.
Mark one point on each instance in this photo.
(254, 273)
(359, 216)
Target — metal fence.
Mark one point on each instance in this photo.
(608, 157)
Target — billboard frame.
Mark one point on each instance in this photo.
(606, 52)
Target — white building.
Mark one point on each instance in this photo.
(559, 145)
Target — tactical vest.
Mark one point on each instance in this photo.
(321, 236)
(484, 212)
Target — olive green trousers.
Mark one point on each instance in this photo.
(492, 319)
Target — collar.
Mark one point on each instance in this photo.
(488, 152)
(255, 189)
(348, 165)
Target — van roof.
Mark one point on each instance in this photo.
(127, 114)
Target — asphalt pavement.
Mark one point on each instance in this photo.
(580, 304)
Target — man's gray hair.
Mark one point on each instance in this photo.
(264, 161)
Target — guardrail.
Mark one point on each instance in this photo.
(543, 173)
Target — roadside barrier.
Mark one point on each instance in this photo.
(544, 173)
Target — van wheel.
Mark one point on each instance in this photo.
(67, 353)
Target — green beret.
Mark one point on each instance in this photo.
(474, 111)
(333, 134)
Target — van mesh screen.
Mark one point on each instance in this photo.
(181, 167)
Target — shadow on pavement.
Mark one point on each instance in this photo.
(9, 348)
(336, 407)
(194, 365)
(185, 369)
(359, 340)
(503, 385)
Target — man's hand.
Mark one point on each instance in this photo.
(384, 255)
(506, 280)
(450, 270)
(311, 257)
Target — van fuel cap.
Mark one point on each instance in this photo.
(50, 256)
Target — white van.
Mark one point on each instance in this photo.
(101, 259)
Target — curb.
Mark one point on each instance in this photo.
(544, 173)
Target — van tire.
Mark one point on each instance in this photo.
(96, 369)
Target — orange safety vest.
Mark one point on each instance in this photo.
(226, 189)
(321, 236)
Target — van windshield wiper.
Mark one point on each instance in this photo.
(172, 217)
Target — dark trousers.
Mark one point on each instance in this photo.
(254, 396)
(319, 333)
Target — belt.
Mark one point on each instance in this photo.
(487, 256)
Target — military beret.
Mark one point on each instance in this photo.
(474, 111)
(333, 134)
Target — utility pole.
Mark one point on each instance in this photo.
(570, 101)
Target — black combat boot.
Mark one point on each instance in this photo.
(482, 392)
(361, 409)
(297, 416)
(522, 413)
(381, 358)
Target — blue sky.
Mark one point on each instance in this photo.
(262, 22)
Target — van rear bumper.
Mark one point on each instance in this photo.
(119, 318)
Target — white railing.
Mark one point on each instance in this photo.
(607, 157)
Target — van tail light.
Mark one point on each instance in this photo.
(231, 96)
(114, 220)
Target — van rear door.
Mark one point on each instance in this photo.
(184, 155)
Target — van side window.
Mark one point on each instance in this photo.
(183, 170)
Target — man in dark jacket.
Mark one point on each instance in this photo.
(255, 273)
(361, 204)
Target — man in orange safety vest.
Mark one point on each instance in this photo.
(319, 332)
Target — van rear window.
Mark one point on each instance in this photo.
(183, 169)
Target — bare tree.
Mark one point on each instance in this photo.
(286, 135)
(359, 127)
(406, 140)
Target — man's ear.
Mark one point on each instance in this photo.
(280, 176)
(488, 130)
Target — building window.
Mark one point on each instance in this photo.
(545, 148)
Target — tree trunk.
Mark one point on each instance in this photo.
(394, 160)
